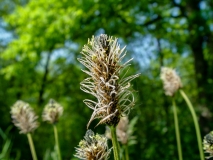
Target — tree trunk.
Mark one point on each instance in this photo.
(44, 80)
(198, 35)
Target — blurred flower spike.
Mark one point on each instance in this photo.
(52, 112)
(102, 57)
(124, 131)
(171, 81)
(208, 144)
(24, 117)
(93, 147)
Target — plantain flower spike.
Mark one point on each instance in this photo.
(102, 57)
(93, 147)
(171, 81)
(24, 117)
(208, 144)
(52, 112)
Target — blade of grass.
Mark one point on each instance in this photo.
(177, 131)
(197, 128)
(115, 143)
(57, 142)
(32, 148)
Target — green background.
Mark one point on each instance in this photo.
(40, 41)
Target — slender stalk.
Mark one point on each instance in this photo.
(32, 148)
(115, 143)
(197, 128)
(57, 142)
(126, 152)
(177, 131)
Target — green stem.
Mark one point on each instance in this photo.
(32, 148)
(115, 143)
(177, 131)
(57, 142)
(197, 128)
(126, 152)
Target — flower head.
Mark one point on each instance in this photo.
(93, 147)
(52, 112)
(208, 144)
(24, 117)
(102, 57)
(171, 81)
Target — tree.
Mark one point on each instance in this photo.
(40, 62)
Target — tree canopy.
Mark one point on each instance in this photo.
(39, 62)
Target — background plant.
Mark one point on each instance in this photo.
(39, 44)
(25, 119)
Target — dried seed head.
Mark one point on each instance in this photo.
(102, 57)
(93, 147)
(24, 117)
(208, 144)
(171, 81)
(52, 112)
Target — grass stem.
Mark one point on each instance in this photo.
(57, 142)
(32, 148)
(189, 104)
(126, 152)
(177, 131)
(115, 143)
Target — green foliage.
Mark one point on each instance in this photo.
(40, 63)
(50, 155)
(7, 146)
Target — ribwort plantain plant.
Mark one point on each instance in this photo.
(102, 57)
(51, 113)
(171, 83)
(25, 119)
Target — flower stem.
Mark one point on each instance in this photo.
(195, 122)
(32, 148)
(126, 152)
(57, 142)
(115, 143)
(177, 131)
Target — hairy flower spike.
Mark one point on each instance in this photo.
(102, 57)
(24, 117)
(208, 144)
(93, 147)
(171, 81)
(52, 112)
